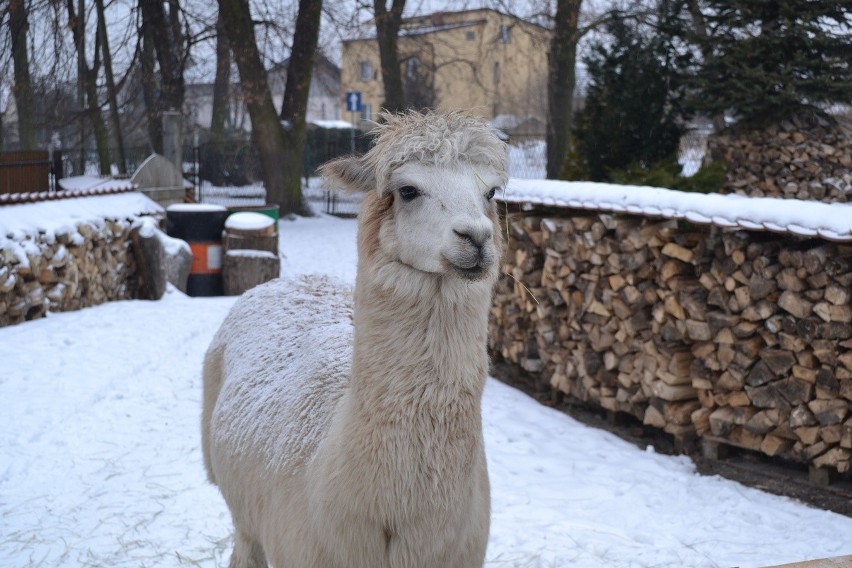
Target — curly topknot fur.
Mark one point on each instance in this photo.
(434, 139)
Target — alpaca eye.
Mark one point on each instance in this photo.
(408, 192)
(490, 194)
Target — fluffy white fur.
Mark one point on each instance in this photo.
(366, 451)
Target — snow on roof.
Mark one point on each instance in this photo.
(50, 216)
(195, 207)
(94, 182)
(332, 124)
(832, 221)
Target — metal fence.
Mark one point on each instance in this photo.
(527, 156)
(233, 178)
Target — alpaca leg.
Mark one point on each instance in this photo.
(247, 553)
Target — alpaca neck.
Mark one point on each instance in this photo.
(421, 333)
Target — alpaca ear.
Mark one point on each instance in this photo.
(350, 173)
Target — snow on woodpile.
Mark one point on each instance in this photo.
(804, 218)
(49, 217)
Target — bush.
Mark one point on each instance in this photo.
(632, 111)
(666, 173)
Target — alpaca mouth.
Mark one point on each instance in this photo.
(476, 270)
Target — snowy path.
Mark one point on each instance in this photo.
(100, 463)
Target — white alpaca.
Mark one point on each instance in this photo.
(367, 451)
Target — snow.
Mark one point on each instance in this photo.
(100, 460)
(336, 124)
(51, 217)
(250, 253)
(249, 221)
(195, 208)
(831, 221)
(94, 182)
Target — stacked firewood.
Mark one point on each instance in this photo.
(69, 270)
(795, 159)
(775, 371)
(743, 337)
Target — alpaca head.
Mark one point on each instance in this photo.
(429, 180)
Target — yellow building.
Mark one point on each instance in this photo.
(481, 60)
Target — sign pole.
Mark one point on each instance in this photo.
(353, 105)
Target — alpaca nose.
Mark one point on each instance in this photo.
(477, 236)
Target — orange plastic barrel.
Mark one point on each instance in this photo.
(201, 226)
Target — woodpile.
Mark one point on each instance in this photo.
(799, 158)
(734, 336)
(69, 270)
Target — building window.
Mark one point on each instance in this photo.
(470, 36)
(505, 34)
(412, 68)
(366, 71)
(366, 112)
(496, 74)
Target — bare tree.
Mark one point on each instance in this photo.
(163, 29)
(267, 132)
(22, 88)
(295, 104)
(89, 77)
(387, 31)
(153, 109)
(561, 82)
(221, 91)
(111, 89)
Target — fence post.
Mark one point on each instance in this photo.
(173, 138)
(57, 168)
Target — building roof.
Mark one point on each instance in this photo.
(412, 26)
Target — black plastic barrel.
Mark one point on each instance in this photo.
(201, 226)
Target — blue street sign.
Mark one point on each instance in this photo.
(353, 101)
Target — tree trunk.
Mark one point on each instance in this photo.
(22, 89)
(561, 80)
(168, 43)
(153, 110)
(387, 30)
(295, 104)
(90, 86)
(699, 27)
(266, 130)
(214, 156)
(111, 90)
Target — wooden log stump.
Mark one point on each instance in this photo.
(245, 269)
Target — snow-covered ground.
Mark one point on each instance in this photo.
(100, 462)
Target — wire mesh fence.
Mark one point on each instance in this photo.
(527, 156)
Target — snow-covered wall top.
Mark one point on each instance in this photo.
(832, 221)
